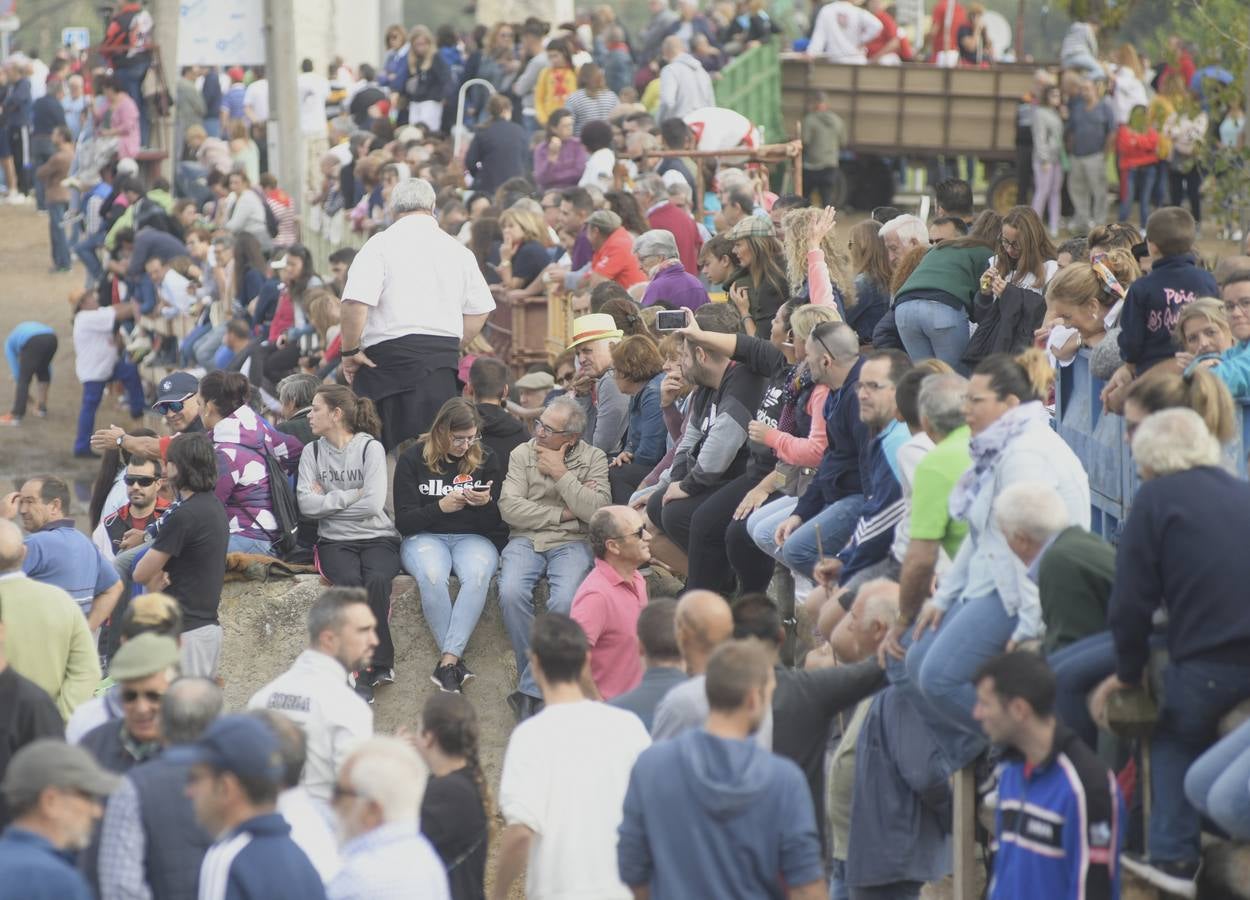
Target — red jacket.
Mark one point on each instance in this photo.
(1137, 148)
(678, 222)
(283, 317)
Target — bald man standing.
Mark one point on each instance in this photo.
(704, 622)
(46, 636)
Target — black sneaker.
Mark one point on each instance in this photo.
(1179, 879)
(447, 678)
(379, 676)
(363, 688)
(463, 671)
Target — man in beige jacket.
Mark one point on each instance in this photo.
(555, 484)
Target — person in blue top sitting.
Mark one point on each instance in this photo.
(54, 792)
(29, 349)
(1233, 365)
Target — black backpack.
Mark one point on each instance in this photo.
(271, 221)
(285, 505)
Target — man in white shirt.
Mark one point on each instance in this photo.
(314, 692)
(379, 794)
(841, 31)
(314, 90)
(564, 778)
(414, 296)
(256, 99)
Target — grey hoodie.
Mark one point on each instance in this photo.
(684, 87)
(353, 489)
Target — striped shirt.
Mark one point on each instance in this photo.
(586, 108)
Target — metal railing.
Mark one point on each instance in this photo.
(751, 85)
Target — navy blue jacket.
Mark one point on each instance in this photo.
(838, 475)
(259, 861)
(211, 92)
(1058, 827)
(1153, 306)
(45, 114)
(32, 869)
(1176, 522)
(884, 506)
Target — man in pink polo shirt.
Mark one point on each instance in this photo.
(609, 600)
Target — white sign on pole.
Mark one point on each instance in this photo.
(76, 38)
(221, 33)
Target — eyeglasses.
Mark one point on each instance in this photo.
(1009, 245)
(642, 529)
(540, 425)
(170, 406)
(130, 696)
(464, 441)
(140, 480)
(1242, 306)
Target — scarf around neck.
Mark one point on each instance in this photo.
(987, 447)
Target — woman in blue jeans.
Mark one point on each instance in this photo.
(1218, 784)
(447, 509)
(986, 602)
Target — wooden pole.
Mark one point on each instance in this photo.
(964, 790)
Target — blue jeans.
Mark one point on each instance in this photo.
(240, 544)
(837, 880)
(1195, 695)
(942, 666)
(88, 250)
(56, 235)
(191, 180)
(430, 559)
(836, 523)
(1218, 784)
(930, 330)
(1079, 668)
(1141, 185)
(762, 524)
(212, 126)
(520, 568)
(92, 391)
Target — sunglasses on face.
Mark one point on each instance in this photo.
(173, 406)
(129, 696)
(140, 480)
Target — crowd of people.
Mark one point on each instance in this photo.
(834, 447)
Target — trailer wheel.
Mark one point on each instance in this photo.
(1003, 192)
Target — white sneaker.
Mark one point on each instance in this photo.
(17, 199)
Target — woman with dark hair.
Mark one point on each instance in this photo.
(870, 260)
(242, 440)
(241, 269)
(447, 508)
(626, 206)
(187, 558)
(456, 810)
(638, 370)
(486, 242)
(342, 486)
(759, 286)
(626, 314)
(560, 160)
(556, 82)
(985, 602)
(289, 320)
(592, 101)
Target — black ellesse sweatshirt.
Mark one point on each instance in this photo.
(418, 490)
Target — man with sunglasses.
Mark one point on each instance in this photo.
(123, 529)
(556, 483)
(177, 402)
(609, 601)
(144, 667)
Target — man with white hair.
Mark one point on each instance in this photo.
(664, 215)
(901, 234)
(414, 297)
(684, 84)
(671, 284)
(378, 797)
(1073, 569)
(1183, 541)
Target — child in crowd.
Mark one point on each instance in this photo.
(1153, 303)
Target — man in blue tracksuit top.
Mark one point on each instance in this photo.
(236, 773)
(1059, 808)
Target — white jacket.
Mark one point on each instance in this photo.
(314, 694)
(842, 30)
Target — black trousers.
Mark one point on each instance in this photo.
(33, 362)
(625, 480)
(1187, 185)
(705, 516)
(410, 413)
(752, 565)
(373, 565)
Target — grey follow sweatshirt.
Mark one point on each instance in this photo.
(353, 484)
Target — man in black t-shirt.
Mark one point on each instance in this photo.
(187, 558)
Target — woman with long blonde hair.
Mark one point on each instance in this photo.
(424, 78)
(447, 509)
(813, 258)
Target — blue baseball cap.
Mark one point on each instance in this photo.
(240, 744)
(176, 386)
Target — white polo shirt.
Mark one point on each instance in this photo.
(418, 280)
(314, 694)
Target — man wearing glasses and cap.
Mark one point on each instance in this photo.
(607, 409)
(177, 400)
(54, 792)
(555, 483)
